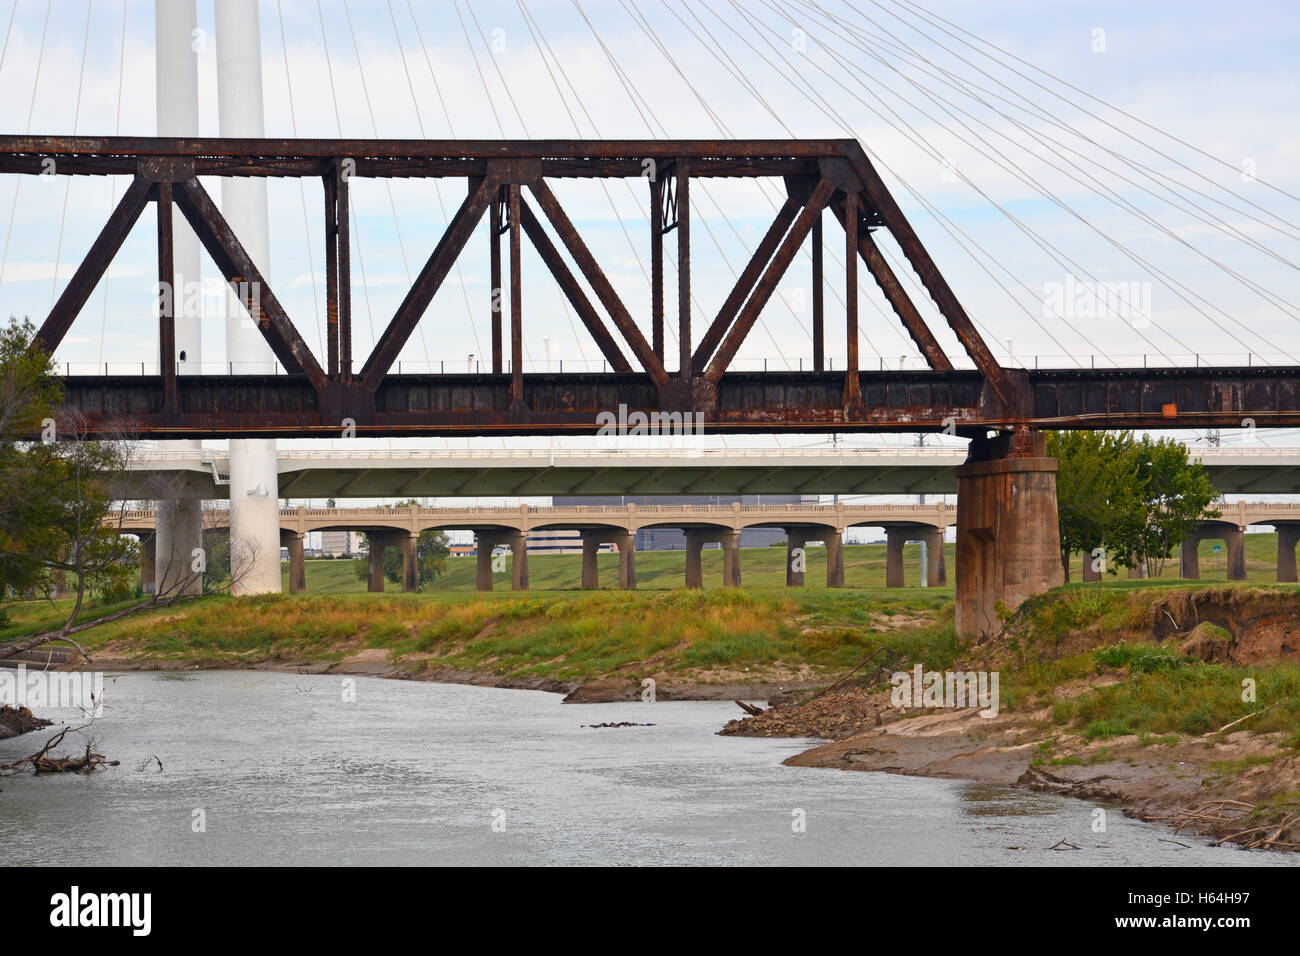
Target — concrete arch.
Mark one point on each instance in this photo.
(1234, 539)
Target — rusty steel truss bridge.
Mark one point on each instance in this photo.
(507, 181)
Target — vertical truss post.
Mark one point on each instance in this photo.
(345, 275)
(682, 168)
(330, 183)
(494, 267)
(657, 265)
(166, 299)
(818, 315)
(516, 305)
(852, 386)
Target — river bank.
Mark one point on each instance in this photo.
(1131, 695)
(1182, 712)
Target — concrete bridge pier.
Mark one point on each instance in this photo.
(411, 562)
(1089, 575)
(1234, 540)
(148, 567)
(179, 533)
(375, 583)
(625, 541)
(297, 560)
(695, 541)
(1288, 536)
(486, 542)
(795, 540)
(1008, 534)
(936, 572)
(834, 541)
(626, 544)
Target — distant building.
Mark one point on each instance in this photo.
(673, 539)
(339, 542)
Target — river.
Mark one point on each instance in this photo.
(281, 769)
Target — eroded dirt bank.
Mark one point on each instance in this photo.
(1229, 783)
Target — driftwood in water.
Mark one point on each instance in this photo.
(43, 762)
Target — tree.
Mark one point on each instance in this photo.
(58, 491)
(1137, 498)
(1094, 479)
(431, 552)
(1174, 495)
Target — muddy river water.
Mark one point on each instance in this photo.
(246, 767)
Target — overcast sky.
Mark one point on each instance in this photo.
(1220, 76)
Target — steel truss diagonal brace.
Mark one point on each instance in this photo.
(771, 276)
(898, 298)
(745, 283)
(428, 282)
(92, 268)
(238, 269)
(599, 283)
(931, 277)
(569, 285)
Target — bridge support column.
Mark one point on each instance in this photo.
(1235, 541)
(626, 561)
(1140, 572)
(1008, 535)
(148, 566)
(795, 541)
(936, 569)
(297, 563)
(834, 559)
(483, 544)
(1189, 558)
(519, 561)
(411, 562)
(895, 538)
(378, 541)
(1089, 575)
(590, 560)
(731, 559)
(694, 560)
(180, 532)
(1288, 535)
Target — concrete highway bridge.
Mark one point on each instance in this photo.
(523, 472)
(499, 529)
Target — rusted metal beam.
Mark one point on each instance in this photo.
(92, 267)
(572, 290)
(516, 305)
(771, 276)
(920, 400)
(345, 277)
(431, 277)
(238, 269)
(682, 168)
(930, 276)
(599, 283)
(898, 298)
(852, 386)
(745, 282)
(166, 299)
(330, 183)
(818, 298)
(657, 266)
(494, 278)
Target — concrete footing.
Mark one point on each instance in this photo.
(1008, 538)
